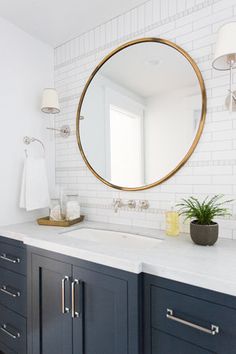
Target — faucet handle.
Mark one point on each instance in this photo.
(143, 204)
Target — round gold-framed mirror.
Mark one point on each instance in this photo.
(141, 114)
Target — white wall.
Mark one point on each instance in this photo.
(169, 130)
(26, 67)
(193, 24)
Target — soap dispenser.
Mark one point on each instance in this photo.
(172, 222)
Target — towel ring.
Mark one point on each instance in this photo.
(28, 140)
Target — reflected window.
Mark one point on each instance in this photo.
(126, 142)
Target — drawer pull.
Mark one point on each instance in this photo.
(10, 334)
(7, 258)
(213, 331)
(4, 290)
(74, 313)
(64, 309)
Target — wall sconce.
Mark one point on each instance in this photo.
(225, 57)
(50, 105)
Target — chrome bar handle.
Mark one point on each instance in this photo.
(4, 290)
(74, 313)
(213, 331)
(7, 258)
(64, 309)
(10, 334)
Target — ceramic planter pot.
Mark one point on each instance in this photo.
(205, 235)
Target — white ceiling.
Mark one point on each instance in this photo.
(141, 76)
(57, 21)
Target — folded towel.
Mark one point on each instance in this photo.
(34, 188)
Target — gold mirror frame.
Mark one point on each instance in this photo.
(201, 124)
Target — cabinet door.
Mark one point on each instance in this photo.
(52, 329)
(101, 306)
(163, 343)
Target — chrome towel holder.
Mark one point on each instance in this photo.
(28, 140)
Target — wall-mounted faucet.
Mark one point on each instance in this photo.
(117, 204)
(131, 204)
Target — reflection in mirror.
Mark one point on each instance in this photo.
(142, 112)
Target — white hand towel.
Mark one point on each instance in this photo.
(34, 189)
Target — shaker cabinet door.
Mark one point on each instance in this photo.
(100, 309)
(50, 307)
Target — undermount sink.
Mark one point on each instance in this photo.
(114, 238)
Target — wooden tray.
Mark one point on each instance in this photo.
(63, 223)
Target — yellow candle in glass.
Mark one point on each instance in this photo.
(172, 223)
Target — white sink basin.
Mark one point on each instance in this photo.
(114, 238)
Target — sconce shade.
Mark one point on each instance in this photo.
(225, 54)
(50, 102)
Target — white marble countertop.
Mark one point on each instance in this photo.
(175, 258)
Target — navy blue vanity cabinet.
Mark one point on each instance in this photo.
(81, 307)
(13, 297)
(182, 319)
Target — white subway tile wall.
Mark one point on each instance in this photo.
(193, 24)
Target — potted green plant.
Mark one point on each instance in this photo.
(203, 229)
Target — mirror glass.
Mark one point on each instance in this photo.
(141, 115)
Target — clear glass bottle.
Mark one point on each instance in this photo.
(55, 210)
(172, 223)
(72, 209)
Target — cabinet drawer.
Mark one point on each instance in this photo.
(13, 258)
(13, 291)
(163, 343)
(191, 319)
(12, 330)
